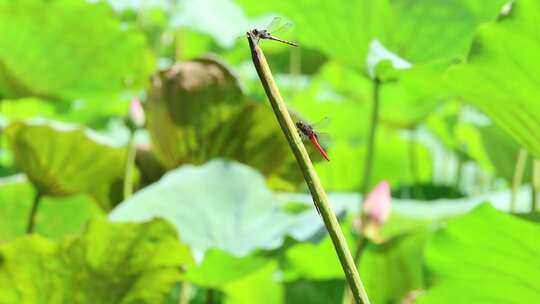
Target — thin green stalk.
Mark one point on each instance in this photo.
(185, 293)
(361, 244)
(459, 173)
(178, 44)
(32, 217)
(210, 296)
(374, 122)
(519, 171)
(368, 165)
(413, 165)
(535, 185)
(129, 166)
(1, 129)
(310, 175)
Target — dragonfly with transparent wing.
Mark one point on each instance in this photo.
(308, 131)
(278, 25)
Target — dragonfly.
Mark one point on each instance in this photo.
(276, 26)
(307, 131)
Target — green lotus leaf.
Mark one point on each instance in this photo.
(499, 77)
(68, 49)
(108, 263)
(485, 256)
(220, 205)
(56, 216)
(61, 159)
(197, 112)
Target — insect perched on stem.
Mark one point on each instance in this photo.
(278, 25)
(307, 131)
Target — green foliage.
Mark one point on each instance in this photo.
(68, 49)
(324, 24)
(393, 269)
(222, 205)
(46, 152)
(484, 257)
(391, 163)
(503, 157)
(208, 117)
(416, 93)
(420, 30)
(108, 263)
(389, 270)
(220, 268)
(16, 196)
(260, 285)
(498, 76)
(212, 150)
(314, 292)
(313, 261)
(56, 216)
(343, 95)
(416, 30)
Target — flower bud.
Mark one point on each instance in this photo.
(375, 212)
(378, 204)
(136, 113)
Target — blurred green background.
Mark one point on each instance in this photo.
(140, 161)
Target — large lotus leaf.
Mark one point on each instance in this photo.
(198, 112)
(416, 30)
(68, 49)
(341, 30)
(500, 75)
(108, 263)
(420, 30)
(61, 159)
(485, 256)
(56, 216)
(223, 205)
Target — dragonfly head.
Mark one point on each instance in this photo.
(259, 33)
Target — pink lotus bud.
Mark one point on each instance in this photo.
(378, 204)
(136, 113)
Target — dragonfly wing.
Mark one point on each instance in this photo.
(323, 123)
(324, 139)
(274, 24)
(283, 28)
